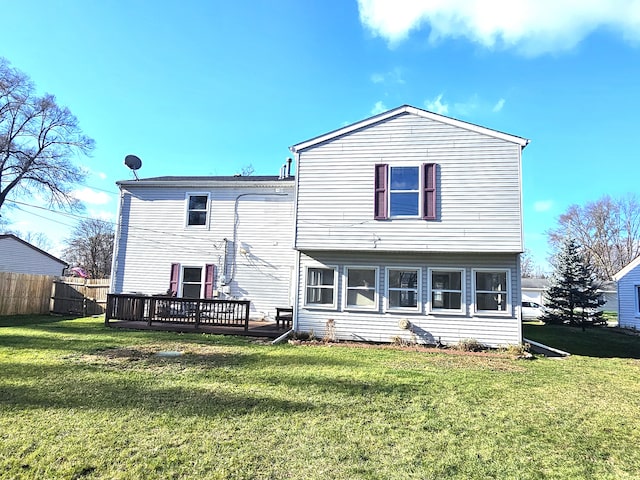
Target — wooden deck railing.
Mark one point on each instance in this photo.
(231, 313)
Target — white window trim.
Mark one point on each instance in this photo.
(345, 283)
(463, 285)
(319, 306)
(186, 209)
(181, 279)
(636, 308)
(418, 307)
(420, 191)
(508, 311)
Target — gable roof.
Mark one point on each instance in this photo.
(404, 109)
(634, 263)
(33, 247)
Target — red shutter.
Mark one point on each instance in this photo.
(209, 276)
(173, 281)
(380, 193)
(429, 193)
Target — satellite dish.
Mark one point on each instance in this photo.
(134, 163)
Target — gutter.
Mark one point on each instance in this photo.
(553, 352)
(282, 337)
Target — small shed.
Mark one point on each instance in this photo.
(628, 280)
(18, 256)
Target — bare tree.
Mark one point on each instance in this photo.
(527, 265)
(38, 141)
(91, 247)
(608, 230)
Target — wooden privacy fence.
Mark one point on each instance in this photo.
(230, 313)
(79, 295)
(24, 294)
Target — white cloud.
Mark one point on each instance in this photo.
(530, 26)
(498, 106)
(379, 107)
(437, 106)
(394, 77)
(543, 205)
(102, 175)
(90, 196)
(102, 215)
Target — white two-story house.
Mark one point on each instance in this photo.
(408, 225)
(207, 237)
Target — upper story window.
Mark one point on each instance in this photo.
(321, 287)
(491, 290)
(197, 208)
(403, 289)
(362, 292)
(405, 191)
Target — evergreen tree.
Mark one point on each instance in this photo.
(573, 293)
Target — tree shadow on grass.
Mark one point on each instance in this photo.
(29, 320)
(600, 342)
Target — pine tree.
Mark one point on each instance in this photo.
(573, 294)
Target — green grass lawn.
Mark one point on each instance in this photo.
(78, 400)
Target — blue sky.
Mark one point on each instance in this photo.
(208, 87)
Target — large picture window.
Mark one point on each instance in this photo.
(361, 286)
(321, 287)
(491, 290)
(197, 207)
(403, 288)
(447, 290)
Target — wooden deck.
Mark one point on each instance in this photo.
(191, 315)
(256, 328)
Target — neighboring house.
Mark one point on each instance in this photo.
(18, 256)
(628, 280)
(533, 291)
(207, 237)
(408, 225)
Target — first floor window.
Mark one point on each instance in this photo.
(637, 299)
(197, 209)
(191, 282)
(188, 281)
(403, 288)
(362, 288)
(321, 286)
(446, 289)
(491, 290)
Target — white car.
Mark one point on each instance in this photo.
(532, 311)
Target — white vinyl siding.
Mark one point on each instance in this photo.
(254, 219)
(491, 328)
(17, 257)
(629, 299)
(478, 190)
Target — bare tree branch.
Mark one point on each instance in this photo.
(608, 230)
(38, 142)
